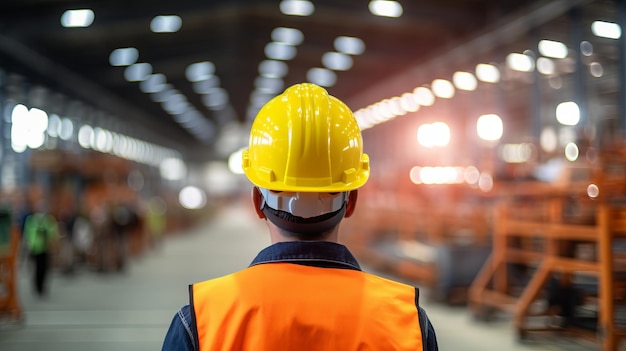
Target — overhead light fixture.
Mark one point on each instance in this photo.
(337, 61)
(138, 72)
(551, 48)
(287, 35)
(280, 51)
(424, 96)
(273, 69)
(166, 24)
(123, 56)
(297, 7)
(545, 66)
(520, 62)
(198, 71)
(464, 81)
(77, 18)
(321, 76)
(487, 73)
(385, 8)
(606, 29)
(442, 88)
(153, 84)
(349, 45)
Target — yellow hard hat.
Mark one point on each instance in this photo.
(305, 140)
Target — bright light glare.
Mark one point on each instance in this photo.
(297, 7)
(520, 62)
(545, 66)
(321, 76)
(385, 8)
(568, 113)
(198, 71)
(548, 139)
(173, 169)
(571, 152)
(437, 175)
(487, 73)
(290, 36)
(337, 61)
(123, 56)
(464, 81)
(192, 198)
(424, 96)
(166, 24)
(593, 191)
(77, 18)
(235, 162)
(443, 88)
(349, 45)
(280, 51)
(28, 128)
(489, 127)
(517, 153)
(435, 134)
(551, 48)
(606, 29)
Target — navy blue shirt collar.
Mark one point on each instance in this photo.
(311, 253)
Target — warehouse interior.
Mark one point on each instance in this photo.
(495, 131)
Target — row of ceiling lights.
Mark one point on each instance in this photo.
(390, 108)
(283, 47)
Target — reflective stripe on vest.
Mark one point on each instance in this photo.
(285, 306)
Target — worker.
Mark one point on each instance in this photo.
(41, 235)
(305, 291)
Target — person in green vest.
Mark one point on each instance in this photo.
(40, 235)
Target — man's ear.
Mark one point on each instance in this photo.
(351, 205)
(257, 199)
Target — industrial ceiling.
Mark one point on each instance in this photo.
(74, 64)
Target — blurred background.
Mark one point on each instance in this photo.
(495, 131)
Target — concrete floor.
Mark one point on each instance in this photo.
(132, 310)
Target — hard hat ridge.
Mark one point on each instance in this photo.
(306, 140)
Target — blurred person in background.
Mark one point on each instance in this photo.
(156, 220)
(41, 237)
(305, 291)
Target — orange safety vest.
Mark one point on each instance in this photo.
(286, 306)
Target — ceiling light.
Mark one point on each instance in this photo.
(321, 76)
(280, 51)
(153, 84)
(551, 48)
(137, 72)
(489, 127)
(424, 96)
(568, 113)
(123, 56)
(464, 81)
(287, 35)
(166, 24)
(385, 8)
(487, 73)
(337, 61)
(273, 69)
(77, 18)
(606, 29)
(198, 71)
(205, 86)
(297, 7)
(218, 97)
(349, 45)
(520, 62)
(545, 66)
(269, 85)
(442, 88)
